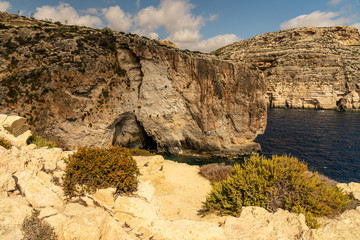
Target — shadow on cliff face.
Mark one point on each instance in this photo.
(131, 134)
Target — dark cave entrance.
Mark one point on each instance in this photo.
(130, 133)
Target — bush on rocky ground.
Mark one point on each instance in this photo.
(279, 182)
(92, 168)
(5, 143)
(141, 152)
(35, 229)
(40, 142)
(215, 172)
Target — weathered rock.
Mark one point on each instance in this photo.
(257, 223)
(345, 226)
(105, 197)
(306, 67)
(14, 124)
(351, 188)
(97, 87)
(13, 211)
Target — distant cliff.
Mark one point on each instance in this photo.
(305, 67)
(99, 87)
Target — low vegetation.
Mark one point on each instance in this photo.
(5, 143)
(140, 152)
(40, 142)
(35, 229)
(92, 168)
(215, 172)
(279, 182)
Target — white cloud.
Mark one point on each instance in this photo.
(117, 19)
(175, 15)
(317, 19)
(65, 13)
(334, 2)
(4, 6)
(214, 43)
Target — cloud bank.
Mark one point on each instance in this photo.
(66, 14)
(175, 17)
(318, 19)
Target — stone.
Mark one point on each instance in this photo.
(355, 189)
(257, 223)
(306, 67)
(13, 211)
(351, 188)
(187, 229)
(146, 190)
(345, 226)
(40, 196)
(133, 206)
(7, 182)
(15, 125)
(89, 225)
(105, 197)
(48, 157)
(138, 93)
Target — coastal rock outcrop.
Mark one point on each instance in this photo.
(307, 67)
(165, 207)
(99, 87)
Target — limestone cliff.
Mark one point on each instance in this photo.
(99, 87)
(305, 67)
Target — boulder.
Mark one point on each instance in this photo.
(256, 223)
(14, 124)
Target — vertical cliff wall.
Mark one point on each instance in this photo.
(98, 87)
(305, 67)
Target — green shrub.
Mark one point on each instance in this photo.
(5, 143)
(93, 168)
(280, 182)
(36, 229)
(40, 142)
(140, 152)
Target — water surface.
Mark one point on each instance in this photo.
(328, 141)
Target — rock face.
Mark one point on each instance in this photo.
(98, 87)
(306, 67)
(165, 207)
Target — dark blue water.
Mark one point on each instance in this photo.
(328, 141)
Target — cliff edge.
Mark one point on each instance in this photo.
(99, 87)
(308, 67)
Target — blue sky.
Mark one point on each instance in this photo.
(203, 25)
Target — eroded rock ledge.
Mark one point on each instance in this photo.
(98, 87)
(165, 207)
(308, 67)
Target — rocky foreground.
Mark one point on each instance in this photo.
(166, 205)
(99, 87)
(307, 67)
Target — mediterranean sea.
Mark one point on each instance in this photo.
(328, 141)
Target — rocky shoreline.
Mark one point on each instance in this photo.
(166, 205)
